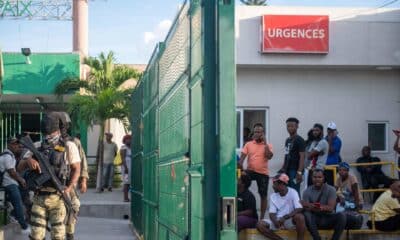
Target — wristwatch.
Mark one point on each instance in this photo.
(300, 172)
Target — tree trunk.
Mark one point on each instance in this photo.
(100, 158)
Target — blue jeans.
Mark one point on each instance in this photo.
(292, 176)
(14, 196)
(108, 175)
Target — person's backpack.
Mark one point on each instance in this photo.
(2, 172)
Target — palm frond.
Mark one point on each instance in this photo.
(69, 85)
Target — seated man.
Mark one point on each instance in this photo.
(371, 176)
(319, 201)
(387, 209)
(247, 212)
(284, 210)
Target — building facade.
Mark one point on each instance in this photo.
(355, 83)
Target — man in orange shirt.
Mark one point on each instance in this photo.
(258, 152)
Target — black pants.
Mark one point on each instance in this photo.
(390, 224)
(335, 221)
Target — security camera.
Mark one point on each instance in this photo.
(26, 52)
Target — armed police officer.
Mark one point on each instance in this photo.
(55, 170)
(84, 175)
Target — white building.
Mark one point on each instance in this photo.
(356, 84)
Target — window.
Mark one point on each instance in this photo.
(246, 118)
(378, 136)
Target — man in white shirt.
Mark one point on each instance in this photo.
(11, 181)
(284, 210)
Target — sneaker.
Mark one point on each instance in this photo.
(26, 231)
(110, 189)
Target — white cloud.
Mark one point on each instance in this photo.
(158, 34)
(149, 37)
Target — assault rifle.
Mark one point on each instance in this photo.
(47, 173)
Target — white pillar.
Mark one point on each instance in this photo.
(80, 14)
(80, 26)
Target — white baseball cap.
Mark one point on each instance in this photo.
(331, 125)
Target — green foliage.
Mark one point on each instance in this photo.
(101, 99)
(254, 2)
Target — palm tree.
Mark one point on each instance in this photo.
(254, 2)
(99, 98)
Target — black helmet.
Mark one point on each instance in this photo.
(50, 123)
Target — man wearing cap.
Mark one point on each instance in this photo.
(11, 180)
(284, 210)
(319, 202)
(110, 151)
(335, 144)
(48, 205)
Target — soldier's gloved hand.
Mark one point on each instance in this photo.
(83, 185)
(33, 165)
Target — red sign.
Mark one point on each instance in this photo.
(295, 34)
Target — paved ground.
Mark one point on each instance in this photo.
(106, 197)
(92, 227)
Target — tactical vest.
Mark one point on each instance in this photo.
(56, 158)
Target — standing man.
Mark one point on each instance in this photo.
(396, 148)
(318, 151)
(319, 202)
(335, 145)
(110, 151)
(284, 210)
(293, 164)
(84, 175)
(12, 181)
(61, 155)
(258, 152)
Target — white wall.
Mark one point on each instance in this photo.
(358, 37)
(348, 97)
(116, 128)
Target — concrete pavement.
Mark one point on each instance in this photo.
(101, 218)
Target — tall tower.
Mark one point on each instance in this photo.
(80, 27)
(80, 32)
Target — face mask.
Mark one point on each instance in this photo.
(53, 140)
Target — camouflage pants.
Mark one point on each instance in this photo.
(48, 208)
(70, 228)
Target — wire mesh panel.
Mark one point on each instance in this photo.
(180, 140)
(137, 158)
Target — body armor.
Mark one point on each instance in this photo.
(55, 155)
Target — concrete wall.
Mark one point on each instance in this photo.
(358, 37)
(350, 98)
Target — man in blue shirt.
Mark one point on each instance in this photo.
(335, 144)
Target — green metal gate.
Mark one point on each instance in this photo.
(184, 127)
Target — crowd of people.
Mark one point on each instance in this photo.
(41, 179)
(325, 203)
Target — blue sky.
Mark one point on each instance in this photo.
(128, 27)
